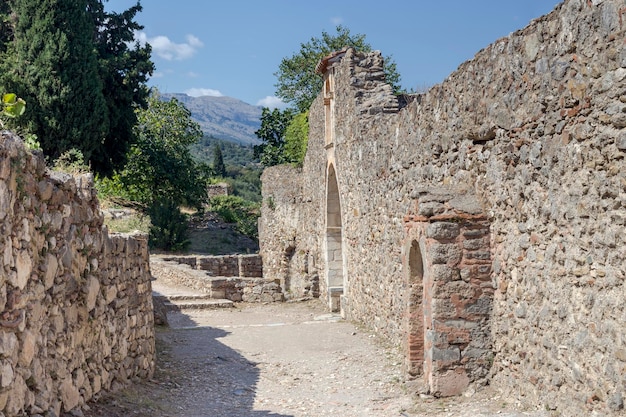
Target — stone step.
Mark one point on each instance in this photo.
(186, 297)
(197, 304)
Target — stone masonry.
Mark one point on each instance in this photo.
(480, 225)
(75, 303)
(229, 277)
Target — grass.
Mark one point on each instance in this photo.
(128, 224)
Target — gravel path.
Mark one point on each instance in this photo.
(280, 360)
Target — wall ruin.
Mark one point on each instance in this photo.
(75, 303)
(533, 129)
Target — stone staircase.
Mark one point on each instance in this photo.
(179, 286)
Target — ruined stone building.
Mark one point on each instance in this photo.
(481, 225)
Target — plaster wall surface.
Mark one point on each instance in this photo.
(533, 130)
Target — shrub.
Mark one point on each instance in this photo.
(234, 209)
(169, 228)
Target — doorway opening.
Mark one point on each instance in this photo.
(415, 333)
(334, 245)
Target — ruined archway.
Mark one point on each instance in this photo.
(415, 311)
(334, 250)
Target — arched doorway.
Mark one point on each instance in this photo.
(415, 313)
(334, 250)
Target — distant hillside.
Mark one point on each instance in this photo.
(223, 117)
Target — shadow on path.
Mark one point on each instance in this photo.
(196, 376)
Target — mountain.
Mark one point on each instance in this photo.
(223, 117)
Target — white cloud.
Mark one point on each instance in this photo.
(336, 20)
(163, 47)
(272, 102)
(200, 92)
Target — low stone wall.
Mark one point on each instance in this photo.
(75, 303)
(231, 277)
(250, 266)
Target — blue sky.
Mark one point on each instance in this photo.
(234, 47)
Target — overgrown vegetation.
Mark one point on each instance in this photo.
(233, 209)
(161, 174)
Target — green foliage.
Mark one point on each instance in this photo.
(80, 74)
(32, 142)
(71, 161)
(218, 161)
(124, 68)
(234, 154)
(242, 168)
(296, 138)
(272, 132)
(298, 84)
(234, 209)
(245, 182)
(160, 166)
(169, 227)
(12, 105)
(57, 74)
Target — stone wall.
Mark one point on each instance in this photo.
(230, 277)
(75, 303)
(249, 266)
(533, 128)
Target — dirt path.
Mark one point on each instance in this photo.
(279, 360)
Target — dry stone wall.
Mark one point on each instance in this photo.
(534, 128)
(75, 303)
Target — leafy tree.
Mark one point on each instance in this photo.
(52, 64)
(76, 66)
(272, 132)
(218, 161)
(296, 138)
(160, 166)
(298, 84)
(124, 70)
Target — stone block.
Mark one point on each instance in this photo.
(443, 230)
(450, 383)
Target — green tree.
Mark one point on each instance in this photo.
(272, 132)
(159, 165)
(124, 69)
(298, 84)
(6, 27)
(52, 64)
(218, 161)
(76, 66)
(296, 138)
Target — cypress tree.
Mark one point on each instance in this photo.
(218, 162)
(56, 71)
